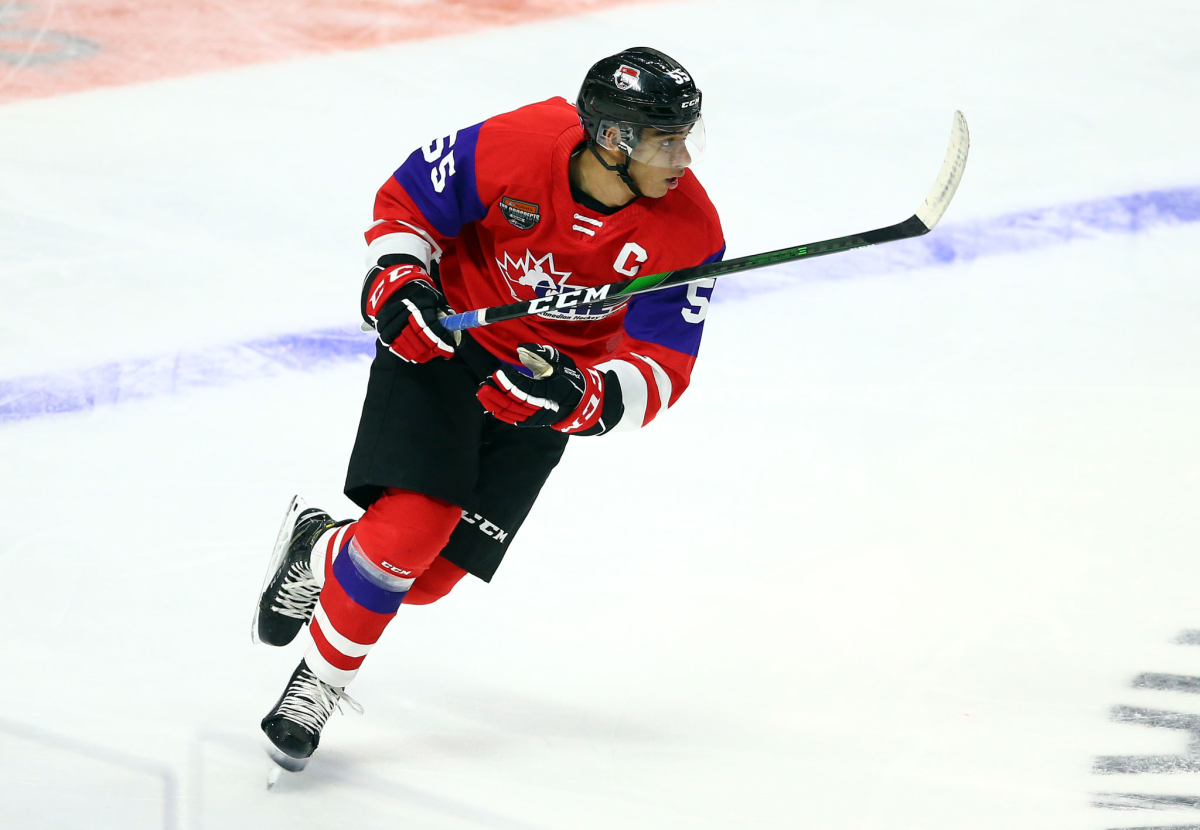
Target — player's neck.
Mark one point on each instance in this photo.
(605, 186)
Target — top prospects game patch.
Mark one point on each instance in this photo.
(523, 215)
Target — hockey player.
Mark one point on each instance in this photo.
(457, 436)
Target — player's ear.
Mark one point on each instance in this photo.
(610, 138)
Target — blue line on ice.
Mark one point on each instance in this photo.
(34, 396)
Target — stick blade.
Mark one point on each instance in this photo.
(930, 212)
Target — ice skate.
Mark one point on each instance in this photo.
(293, 726)
(289, 592)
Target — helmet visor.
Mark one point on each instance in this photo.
(672, 146)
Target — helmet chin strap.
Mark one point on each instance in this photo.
(621, 170)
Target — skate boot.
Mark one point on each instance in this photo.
(289, 592)
(294, 726)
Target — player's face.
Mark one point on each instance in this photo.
(655, 182)
(660, 161)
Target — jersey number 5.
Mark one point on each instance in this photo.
(699, 311)
(443, 171)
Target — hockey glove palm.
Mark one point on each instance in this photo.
(558, 394)
(400, 301)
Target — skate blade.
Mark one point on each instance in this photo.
(282, 542)
(281, 763)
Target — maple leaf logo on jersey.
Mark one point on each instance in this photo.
(539, 274)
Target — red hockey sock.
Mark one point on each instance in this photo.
(378, 561)
(435, 583)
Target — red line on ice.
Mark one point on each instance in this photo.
(51, 47)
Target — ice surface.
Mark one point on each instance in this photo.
(891, 563)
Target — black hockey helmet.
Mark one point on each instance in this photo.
(639, 86)
(637, 93)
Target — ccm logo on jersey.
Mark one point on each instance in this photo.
(555, 297)
(394, 569)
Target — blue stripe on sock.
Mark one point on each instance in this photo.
(362, 590)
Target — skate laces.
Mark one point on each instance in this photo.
(309, 701)
(298, 593)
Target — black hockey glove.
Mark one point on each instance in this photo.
(556, 393)
(400, 301)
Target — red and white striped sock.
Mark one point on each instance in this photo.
(368, 569)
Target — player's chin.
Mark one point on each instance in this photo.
(662, 187)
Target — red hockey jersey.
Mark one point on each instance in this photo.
(493, 204)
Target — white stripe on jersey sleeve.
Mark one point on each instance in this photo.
(634, 394)
(661, 380)
(418, 244)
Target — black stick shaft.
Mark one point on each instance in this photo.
(588, 299)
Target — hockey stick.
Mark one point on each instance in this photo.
(595, 299)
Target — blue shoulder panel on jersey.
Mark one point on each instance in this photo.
(440, 178)
(673, 317)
